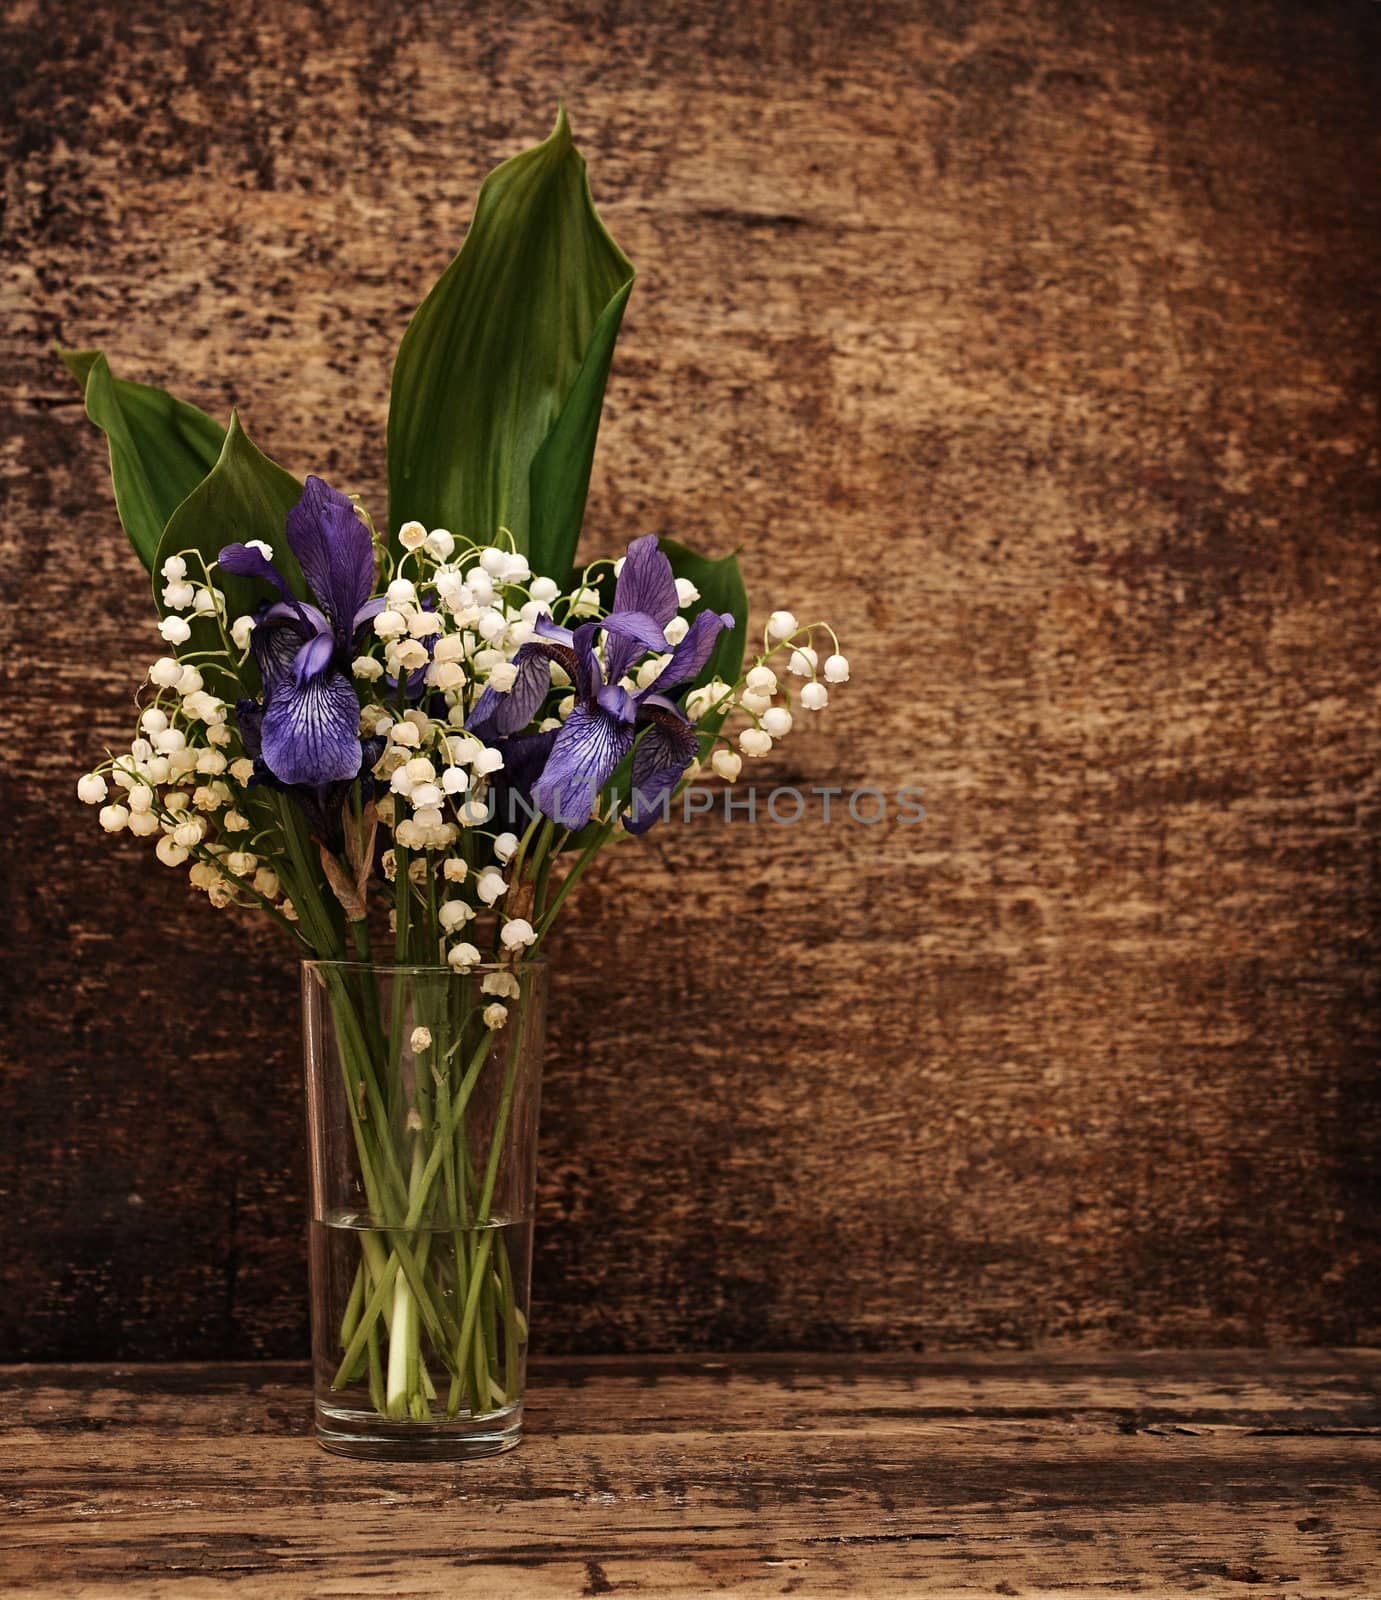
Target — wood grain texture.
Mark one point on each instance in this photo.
(1211, 1474)
(1035, 345)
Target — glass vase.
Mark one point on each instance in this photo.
(422, 1101)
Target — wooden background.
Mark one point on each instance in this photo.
(1033, 343)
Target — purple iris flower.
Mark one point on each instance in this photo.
(607, 719)
(308, 726)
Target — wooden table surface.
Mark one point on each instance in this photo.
(1165, 1473)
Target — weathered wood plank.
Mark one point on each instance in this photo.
(1034, 344)
(788, 1476)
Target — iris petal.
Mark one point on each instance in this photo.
(336, 553)
(244, 561)
(665, 750)
(495, 714)
(647, 582)
(694, 650)
(586, 751)
(310, 731)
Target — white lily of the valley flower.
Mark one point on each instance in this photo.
(517, 934)
(178, 596)
(815, 696)
(420, 1040)
(455, 914)
(837, 669)
(175, 630)
(781, 625)
(165, 672)
(544, 590)
(439, 544)
(390, 624)
(113, 818)
(803, 661)
(412, 536)
(676, 630)
(488, 760)
(754, 742)
(463, 956)
(169, 852)
(726, 764)
(503, 677)
(240, 631)
(490, 886)
(495, 1015)
(777, 722)
(761, 680)
(143, 824)
(92, 789)
(367, 668)
(503, 983)
(505, 847)
(174, 569)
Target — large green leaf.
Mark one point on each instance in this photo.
(500, 377)
(244, 496)
(160, 447)
(721, 589)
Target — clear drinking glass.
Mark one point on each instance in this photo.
(422, 1101)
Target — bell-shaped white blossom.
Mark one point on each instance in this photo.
(803, 661)
(175, 630)
(814, 696)
(92, 789)
(169, 851)
(412, 536)
(754, 742)
(837, 669)
(490, 886)
(495, 1015)
(505, 847)
(463, 956)
(777, 722)
(727, 764)
(439, 544)
(517, 934)
(781, 625)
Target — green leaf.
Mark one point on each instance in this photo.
(500, 377)
(721, 589)
(160, 447)
(244, 496)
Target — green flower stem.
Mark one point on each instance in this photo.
(385, 1277)
(479, 1268)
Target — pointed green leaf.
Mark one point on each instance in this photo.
(244, 496)
(160, 447)
(500, 377)
(721, 589)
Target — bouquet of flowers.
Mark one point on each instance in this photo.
(405, 744)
